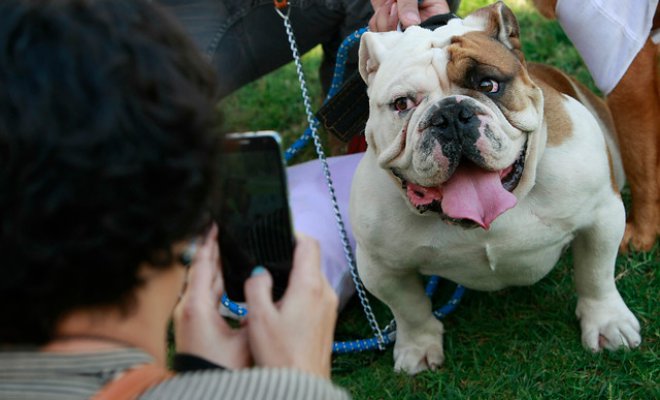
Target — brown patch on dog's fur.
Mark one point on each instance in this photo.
(546, 8)
(562, 83)
(635, 106)
(554, 78)
(571, 87)
(615, 187)
(476, 51)
(553, 83)
(474, 48)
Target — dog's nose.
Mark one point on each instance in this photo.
(452, 120)
(454, 124)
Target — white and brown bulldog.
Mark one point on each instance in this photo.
(482, 169)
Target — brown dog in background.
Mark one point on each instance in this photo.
(635, 107)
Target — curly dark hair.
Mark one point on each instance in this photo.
(106, 152)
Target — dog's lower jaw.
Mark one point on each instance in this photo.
(419, 348)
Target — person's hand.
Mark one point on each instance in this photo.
(298, 331)
(388, 13)
(199, 328)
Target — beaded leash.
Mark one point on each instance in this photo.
(387, 335)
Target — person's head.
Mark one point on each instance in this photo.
(105, 155)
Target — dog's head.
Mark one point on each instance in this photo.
(454, 115)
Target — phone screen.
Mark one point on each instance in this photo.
(254, 217)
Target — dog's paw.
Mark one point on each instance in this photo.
(607, 323)
(412, 360)
(420, 350)
(639, 239)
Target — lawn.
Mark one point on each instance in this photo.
(520, 343)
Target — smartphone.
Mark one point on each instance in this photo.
(254, 219)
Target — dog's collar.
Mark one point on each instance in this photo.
(437, 21)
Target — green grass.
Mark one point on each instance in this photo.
(519, 343)
(275, 103)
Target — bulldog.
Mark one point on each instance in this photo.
(482, 169)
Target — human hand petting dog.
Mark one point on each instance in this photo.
(296, 332)
(389, 13)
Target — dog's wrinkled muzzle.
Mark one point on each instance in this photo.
(473, 193)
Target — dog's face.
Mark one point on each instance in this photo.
(454, 116)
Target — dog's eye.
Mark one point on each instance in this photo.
(488, 86)
(402, 104)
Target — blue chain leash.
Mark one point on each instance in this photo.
(388, 335)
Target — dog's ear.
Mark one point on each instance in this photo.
(373, 46)
(498, 21)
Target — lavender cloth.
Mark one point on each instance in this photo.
(314, 215)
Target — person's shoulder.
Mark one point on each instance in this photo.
(254, 383)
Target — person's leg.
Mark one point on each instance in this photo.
(246, 39)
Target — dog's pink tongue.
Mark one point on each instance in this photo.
(475, 194)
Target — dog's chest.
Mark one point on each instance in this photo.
(518, 251)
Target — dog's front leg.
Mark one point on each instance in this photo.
(419, 334)
(605, 320)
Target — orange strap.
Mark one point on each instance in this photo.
(133, 382)
(280, 4)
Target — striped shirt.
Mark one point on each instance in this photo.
(31, 375)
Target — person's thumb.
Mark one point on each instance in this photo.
(258, 291)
